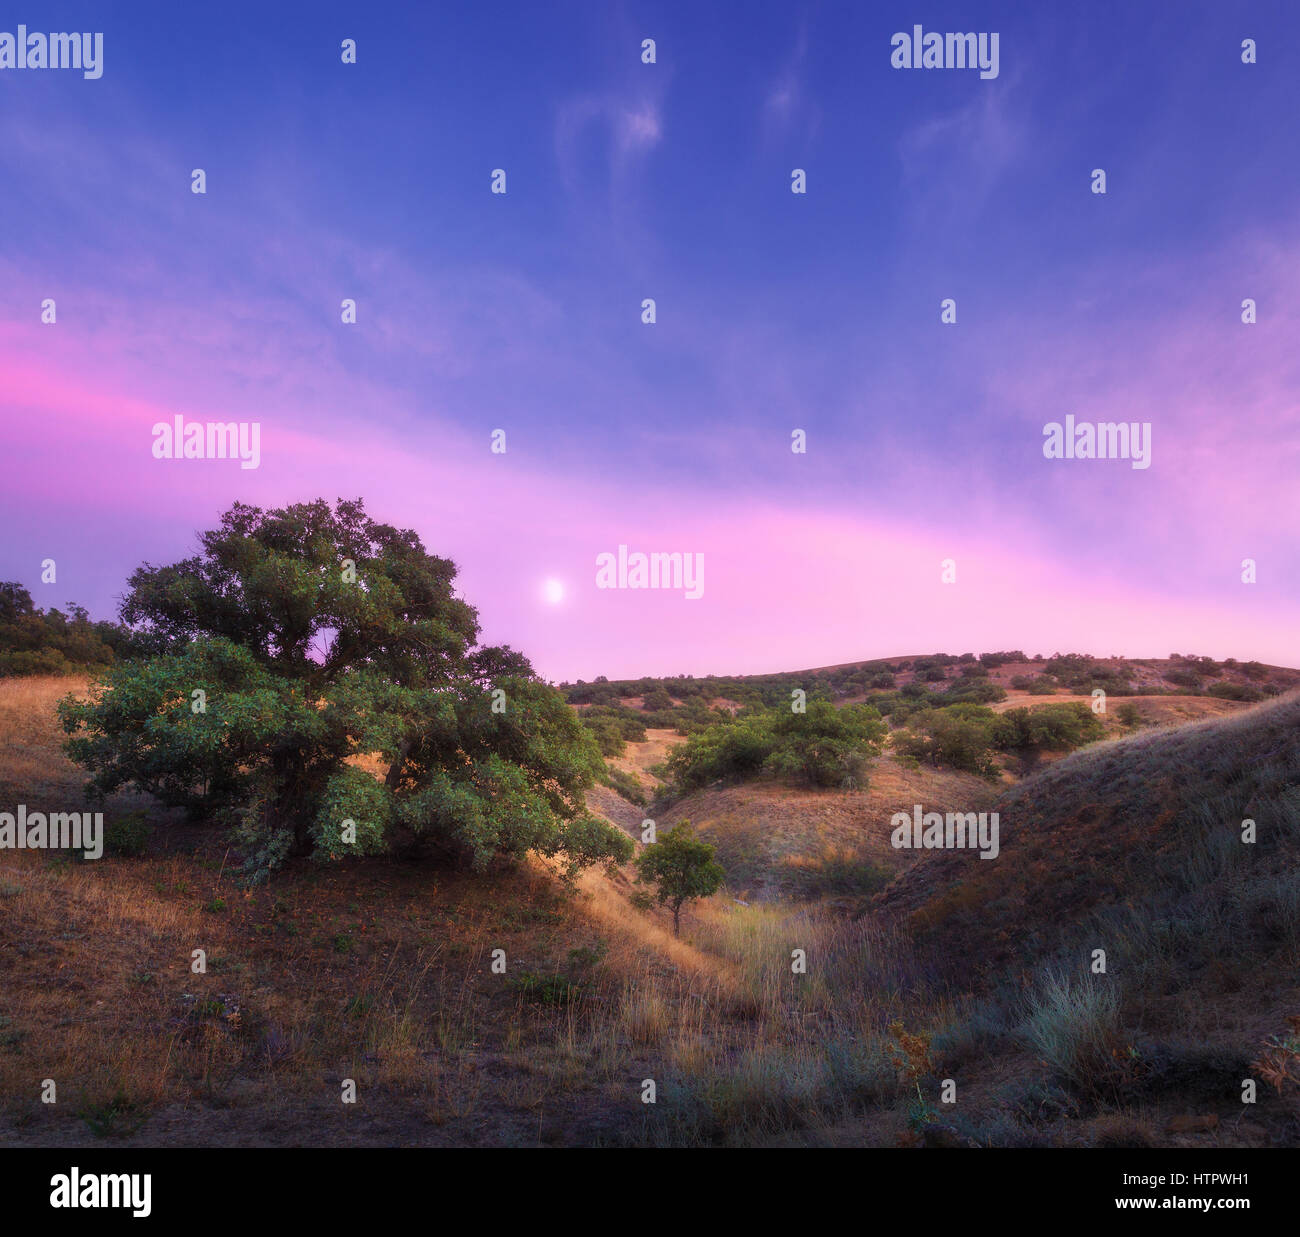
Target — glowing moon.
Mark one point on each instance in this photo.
(553, 591)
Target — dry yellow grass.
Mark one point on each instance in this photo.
(30, 737)
(761, 1024)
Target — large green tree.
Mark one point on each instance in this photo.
(319, 685)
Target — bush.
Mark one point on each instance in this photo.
(128, 836)
(613, 728)
(1235, 691)
(1074, 1028)
(960, 736)
(974, 691)
(1053, 727)
(624, 784)
(1035, 684)
(824, 746)
(1007, 657)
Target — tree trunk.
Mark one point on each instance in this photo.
(395, 769)
(677, 919)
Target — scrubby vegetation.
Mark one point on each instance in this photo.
(1150, 881)
(968, 736)
(36, 641)
(822, 987)
(823, 746)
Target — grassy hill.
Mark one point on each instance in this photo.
(921, 966)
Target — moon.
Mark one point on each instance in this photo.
(553, 591)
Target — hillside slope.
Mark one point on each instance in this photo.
(1140, 834)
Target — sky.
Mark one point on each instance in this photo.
(774, 312)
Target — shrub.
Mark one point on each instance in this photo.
(1007, 657)
(1053, 727)
(624, 784)
(1127, 714)
(823, 746)
(1074, 1028)
(128, 835)
(960, 736)
(974, 691)
(1235, 691)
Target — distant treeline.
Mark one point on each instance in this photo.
(36, 641)
(941, 699)
(687, 699)
(771, 689)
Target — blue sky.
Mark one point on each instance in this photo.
(775, 310)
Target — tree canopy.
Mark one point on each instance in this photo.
(318, 684)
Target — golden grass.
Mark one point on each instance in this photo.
(381, 973)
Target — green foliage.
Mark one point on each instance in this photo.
(1004, 658)
(1035, 684)
(36, 641)
(657, 698)
(316, 635)
(965, 736)
(1235, 691)
(544, 989)
(823, 746)
(681, 867)
(961, 736)
(614, 727)
(1050, 727)
(623, 784)
(974, 690)
(128, 835)
(1128, 714)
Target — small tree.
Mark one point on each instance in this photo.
(682, 867)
